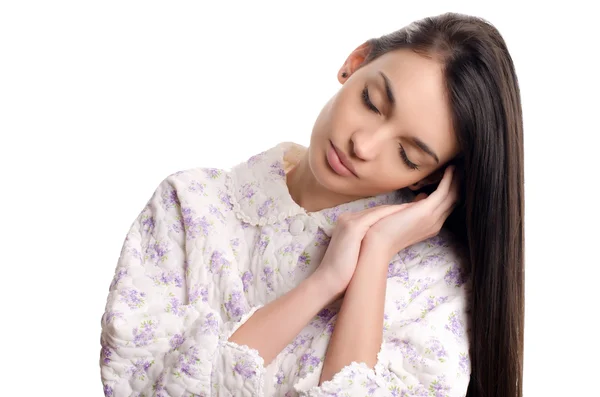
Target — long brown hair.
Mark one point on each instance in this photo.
(483, 93)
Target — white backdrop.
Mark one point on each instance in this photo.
(99, 101)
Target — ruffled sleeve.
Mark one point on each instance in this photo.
(163, 331)
(425, 345)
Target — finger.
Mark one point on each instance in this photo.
(373, 215)
(451, 199)
(441, 192)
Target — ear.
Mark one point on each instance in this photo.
(353, 62)
(434, 177)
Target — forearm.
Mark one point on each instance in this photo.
(359, 326)
(274, 326)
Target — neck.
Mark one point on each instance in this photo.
(308, 193)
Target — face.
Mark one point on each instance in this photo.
(389, 124)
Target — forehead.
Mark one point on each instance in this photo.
(422, 108)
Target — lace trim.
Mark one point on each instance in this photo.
(303, 385)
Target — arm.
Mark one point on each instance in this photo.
(423, 343)
(161, 333)
(359, 325)
(272, 327)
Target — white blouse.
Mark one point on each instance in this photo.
(212, 246)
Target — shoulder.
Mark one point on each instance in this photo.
(193, 197)
(195, 187)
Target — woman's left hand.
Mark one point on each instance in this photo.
(416, 221)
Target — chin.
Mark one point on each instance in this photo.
(324, 174)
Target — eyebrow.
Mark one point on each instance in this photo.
(388, 89)
(392, 99)
(425, 148)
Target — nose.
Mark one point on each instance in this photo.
(366, 145)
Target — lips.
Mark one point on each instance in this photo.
(339, 162)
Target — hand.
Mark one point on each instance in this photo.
(421, 219)
(340, 260)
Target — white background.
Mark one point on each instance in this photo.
(99, 101)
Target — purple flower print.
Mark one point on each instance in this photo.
(432, 260)
(147, 224)
(455, 276)
(330, 327)
(322, 318)
(439, 388)
(218, 264)
(267, 277)
(157, 252)
(321, 239)
(437, 241)
(168, 278)
(197, 187)
(304, 261)
(145, 333)
(118, 276)
(140, 368)
(108, 391)
(174, 306)
(106, 353)
(187, 362)
(194, 226)
(371, 386)
(263, 241)
(216, 212)
(371, 204)
(455, 325)
(245, 368)
(277, 169)
(408, 351)
(418, 287)
(247, 278)
(176, 341)
(170, 199)
(290, 249)
(247, 191)
(332, 214)
(212, 173)
(225, 199)
(280, 377)
(436, 348)
(308, 363)
(159, 387)
(211, 325)
(132, 298)
(256, 158)
(108, 316)
(397, 269)
(464, 363)
(407, 255)
(431, 303)
(235, 305)
(264, 207)
(299, 340)
(199, 291)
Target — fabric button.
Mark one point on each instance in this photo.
(296, 227)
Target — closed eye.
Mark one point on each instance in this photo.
(409, 163)
(367, 100)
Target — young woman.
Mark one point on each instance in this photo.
(384, 259)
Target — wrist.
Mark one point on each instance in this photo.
(326, 285)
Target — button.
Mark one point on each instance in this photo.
(296, 227)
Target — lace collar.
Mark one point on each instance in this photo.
(259, 194)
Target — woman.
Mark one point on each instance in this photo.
(326, 271)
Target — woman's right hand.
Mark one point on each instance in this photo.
(340, 260)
